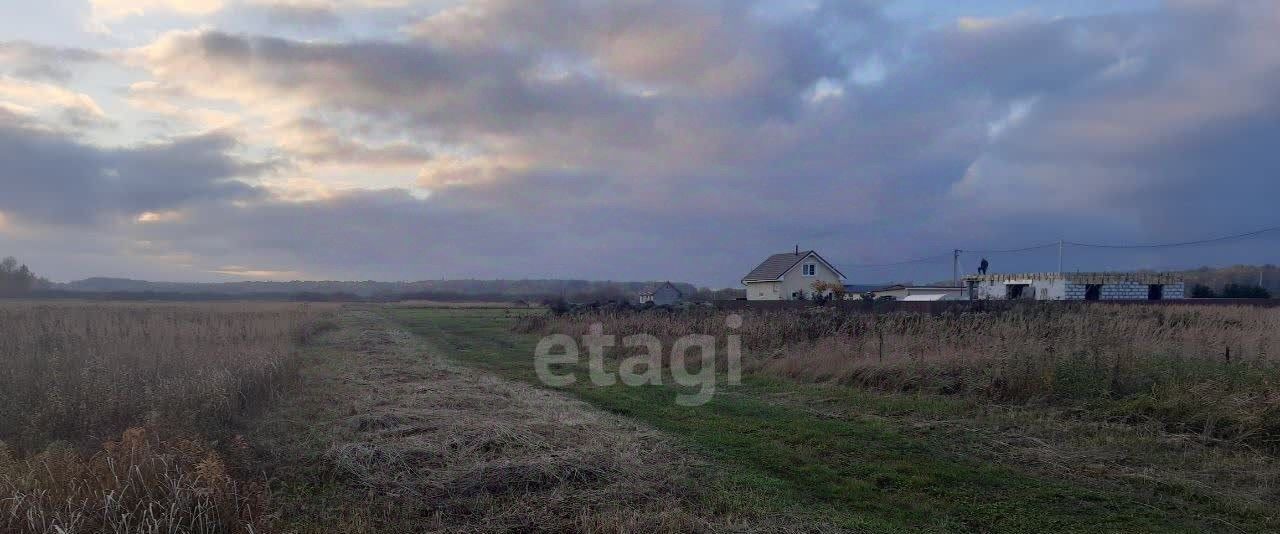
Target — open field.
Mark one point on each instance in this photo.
(457, 304)
(110, 410)
(1081, 420)
(294, 418)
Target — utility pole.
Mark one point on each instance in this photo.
(955, 268)
(1060, 244)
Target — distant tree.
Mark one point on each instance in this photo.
(1245, 291)
(16, 279)
(1201, 291)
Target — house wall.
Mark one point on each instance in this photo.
(764, 291)
(1042, 289)
(665, 296)
(795, 280)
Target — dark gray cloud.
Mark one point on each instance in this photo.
(51, 178)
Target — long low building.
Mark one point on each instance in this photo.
(903, 292)
(1076, 286)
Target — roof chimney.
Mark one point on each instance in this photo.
(797, 250)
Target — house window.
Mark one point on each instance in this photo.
(810, 269)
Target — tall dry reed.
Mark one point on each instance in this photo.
(108, 409)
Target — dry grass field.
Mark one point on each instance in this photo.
(262, 417)
(110, 410)
(1208, 371)
(1090, 418)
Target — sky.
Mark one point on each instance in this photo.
(222, 140)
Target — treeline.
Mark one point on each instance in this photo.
(17, 279)
(501, 289)
(1230, 291)
(580, 291)
(1234, 282)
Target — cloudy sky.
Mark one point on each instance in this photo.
(205, 140)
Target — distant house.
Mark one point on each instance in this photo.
(902, 292)
(789, 276)
(665, 294)
(1076, 286)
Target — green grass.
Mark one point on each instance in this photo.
(844, 456)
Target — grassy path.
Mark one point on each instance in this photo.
(867, 469)
(383, 434)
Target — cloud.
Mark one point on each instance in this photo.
(44, 63)
(718, 47)
(258, 274)
(54, 179)
(1142, 147)
(35, 98)
(113, 10)
(314, 141)
(300, 13)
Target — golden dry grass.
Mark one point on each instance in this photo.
(109, 409)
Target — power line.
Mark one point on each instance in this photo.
(1182, 244)
(1072, 243)
(904, 262)
(948, 256)
(1011, 250)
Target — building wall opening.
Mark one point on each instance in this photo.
(1017, 291)
(1155, 292)
(1093, 292)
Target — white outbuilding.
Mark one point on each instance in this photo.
(1076, 286)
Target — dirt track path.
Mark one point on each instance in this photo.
(384, 435)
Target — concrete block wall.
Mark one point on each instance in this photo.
(1074, 291)
(1124, 291)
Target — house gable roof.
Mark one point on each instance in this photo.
(653, 290)
(777, 265)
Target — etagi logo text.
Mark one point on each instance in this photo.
(644, 368)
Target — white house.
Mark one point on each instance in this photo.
(664, 294)
(1076, 286)
(789, 276)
